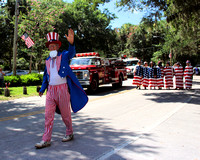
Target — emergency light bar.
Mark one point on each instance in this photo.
(87, 54)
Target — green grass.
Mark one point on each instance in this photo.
(17, 92)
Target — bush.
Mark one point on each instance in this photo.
(13, 80)
(24, 80)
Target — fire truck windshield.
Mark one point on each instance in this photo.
(131, 63)
(84, 61)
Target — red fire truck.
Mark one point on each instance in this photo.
(92, 70)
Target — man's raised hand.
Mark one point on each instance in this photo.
(70, 36)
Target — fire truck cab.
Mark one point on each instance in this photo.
(92, 70)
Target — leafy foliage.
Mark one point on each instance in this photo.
(13, 80)
(181, 34)
(27, 80)
(92, 30)
(40, 18)
(153, 39)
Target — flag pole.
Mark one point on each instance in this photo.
(15, 37)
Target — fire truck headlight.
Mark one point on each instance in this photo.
(86, 75)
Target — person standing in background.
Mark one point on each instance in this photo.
(196, 70)
(160, 82)
(188, 74)
(168, 74)
(152, 75)
(2, 74)
(145, 80)
(138, 75)
(178, 72)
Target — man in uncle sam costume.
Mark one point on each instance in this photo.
(58, 78)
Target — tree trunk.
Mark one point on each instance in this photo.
(31, 57)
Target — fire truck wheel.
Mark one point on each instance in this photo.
(93, 86)
(114, 85)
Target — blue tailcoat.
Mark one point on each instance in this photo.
(78, 97)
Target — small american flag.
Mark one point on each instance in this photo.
(28, 41)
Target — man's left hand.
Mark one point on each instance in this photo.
(70, 36)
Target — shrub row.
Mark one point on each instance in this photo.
(24, 80)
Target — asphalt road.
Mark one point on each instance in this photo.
(116, 124)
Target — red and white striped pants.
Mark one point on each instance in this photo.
(57, 95)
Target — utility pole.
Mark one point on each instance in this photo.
(15, 37)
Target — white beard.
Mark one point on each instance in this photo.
(53, 54)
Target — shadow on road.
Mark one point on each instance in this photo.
(174, 97)
(105, 90)
(93, 138)
(10, 108)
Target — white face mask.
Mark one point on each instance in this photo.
(53, 54)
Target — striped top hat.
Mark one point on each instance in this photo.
(53, 37)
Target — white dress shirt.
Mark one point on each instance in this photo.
(55, 79)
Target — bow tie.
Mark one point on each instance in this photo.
(53, 58)
(53, 61)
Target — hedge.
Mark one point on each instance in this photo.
(24, 80)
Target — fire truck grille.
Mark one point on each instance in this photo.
(78, 74)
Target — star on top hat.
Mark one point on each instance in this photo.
(53, 37)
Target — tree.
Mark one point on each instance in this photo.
(154, 8)
(123, 34)
(92, 30)
(183, 36)
(140, 43)
(7, 12)
(40, 18)
(184, 18)
(6, 32)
